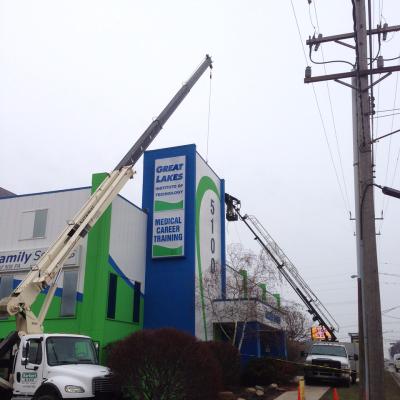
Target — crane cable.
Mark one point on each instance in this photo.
(209, 115)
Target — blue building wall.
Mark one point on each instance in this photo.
(170, 282)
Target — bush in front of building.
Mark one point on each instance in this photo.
(264, 371)
(228, 358)
(164, 364)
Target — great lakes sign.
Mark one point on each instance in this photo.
(168, 237)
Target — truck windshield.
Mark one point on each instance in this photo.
(319, 350)
(70, 350)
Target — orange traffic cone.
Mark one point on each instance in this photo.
(335, 394)
(299, 393)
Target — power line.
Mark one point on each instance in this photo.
(389, 110)
(387, 115)
(385, 202)
(209, 114)
(319, 109)
(333, 116)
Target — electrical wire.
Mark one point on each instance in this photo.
(390, 110)
(388, 115)
(327, 62)
(309, 13)
(391, 59)
(318, 108)
(333, 116)
(384, 201)
(298, 30)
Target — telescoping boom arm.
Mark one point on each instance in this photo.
(45, 273)
(314, 306)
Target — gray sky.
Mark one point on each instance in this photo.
(81, 80)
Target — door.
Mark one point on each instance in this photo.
(29, 366)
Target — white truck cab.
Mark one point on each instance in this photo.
(328, 362)
(58, 366)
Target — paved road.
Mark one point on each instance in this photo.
(396, 375)
(311, 393)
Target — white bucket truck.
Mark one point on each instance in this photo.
(43, 366)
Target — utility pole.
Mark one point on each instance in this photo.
(370, 319)
(361, 350)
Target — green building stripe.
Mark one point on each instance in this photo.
(205, 184)
(96, 273)
(93, 319)
(161, 251)
(167, 206)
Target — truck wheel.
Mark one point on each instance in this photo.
(47, 396)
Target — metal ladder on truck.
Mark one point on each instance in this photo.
(45, 273)
(286, 268)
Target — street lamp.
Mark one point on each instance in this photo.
(389, 191)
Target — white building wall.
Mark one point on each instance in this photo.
(61, 206)
(128, 240)
(209, 255)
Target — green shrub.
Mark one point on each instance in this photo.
(228, 358)
(264, 371)
(164, 364)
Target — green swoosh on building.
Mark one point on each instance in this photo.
(205, 184)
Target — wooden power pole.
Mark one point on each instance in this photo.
(362, 83)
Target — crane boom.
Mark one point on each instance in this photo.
(287, 269)
(45, 273)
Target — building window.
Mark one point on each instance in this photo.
(6, 285)
(33, 224)
(68, 298)
(136, 302)
(112, 296)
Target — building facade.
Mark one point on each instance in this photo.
(101, 288)
(162, 265)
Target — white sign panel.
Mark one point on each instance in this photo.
(23, 260)
(168, 237)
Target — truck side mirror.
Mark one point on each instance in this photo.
(25, 354)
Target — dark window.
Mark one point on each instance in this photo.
(68, 299)
(34, 355)
(33, 224)
(39, 225)
(62, 350)
(6, 285)
(112, 296)
(136, 302)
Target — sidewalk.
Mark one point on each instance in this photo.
(311, 393)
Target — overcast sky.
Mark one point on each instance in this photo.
(81, 80)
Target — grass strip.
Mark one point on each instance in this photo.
(392, 390)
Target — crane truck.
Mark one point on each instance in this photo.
(47, 366)
(286, 268)
(327, 360)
